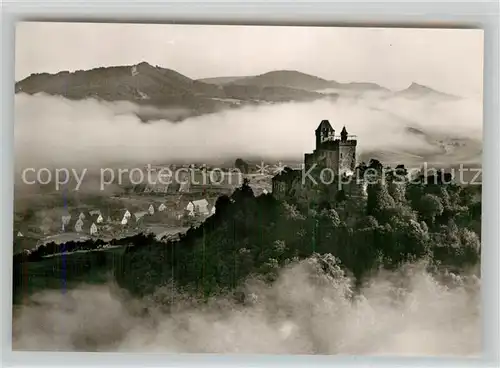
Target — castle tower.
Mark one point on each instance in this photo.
(324, 132)
(336, 153)
(347, 153)
(343, 135)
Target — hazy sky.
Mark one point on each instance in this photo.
(448, 60)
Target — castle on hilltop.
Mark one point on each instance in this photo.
(336, 153)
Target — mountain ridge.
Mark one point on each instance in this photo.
(415, 90)
(293, 79)
(147, 85)
(315, 83)
(210, 82)
(154, 86)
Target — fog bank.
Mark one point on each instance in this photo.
(54, 132)
(311, 309)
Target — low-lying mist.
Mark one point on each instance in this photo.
(310, 309)
(55, 132)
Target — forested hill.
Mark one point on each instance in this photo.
(395, 223)
(164, 89)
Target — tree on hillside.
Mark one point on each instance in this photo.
(221, 204)
(379, 200)
(360, 170)
(241, 165)
(366, 222)
(245, 191)
(340, 196)
(430, 207)
(376, 164)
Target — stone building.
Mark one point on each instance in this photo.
(336, 153)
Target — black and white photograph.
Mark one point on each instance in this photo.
(244, 189)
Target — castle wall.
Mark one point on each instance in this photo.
(331, 159)
(347, 155)
(308, 160)
(332, 145)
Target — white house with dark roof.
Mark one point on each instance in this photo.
(79, 225)
(200, 207)
(65, 220)
(93, 229)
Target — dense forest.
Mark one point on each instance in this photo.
(395, 222)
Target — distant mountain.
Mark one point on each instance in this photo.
(416, 90)
(358, 86)
(220, 80)
(285, 78)
(270, 93)
(178, 96)
(142, 84)
(293, 79)
(149, 85)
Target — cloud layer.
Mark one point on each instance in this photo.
(305, 312)
(55, 132)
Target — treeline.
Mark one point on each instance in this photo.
(34, 269)
(397, 221)
(51, 248)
